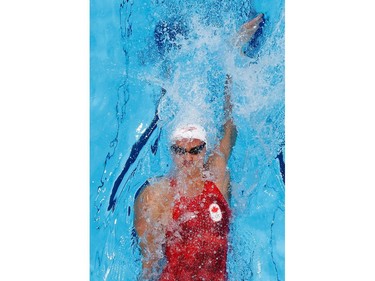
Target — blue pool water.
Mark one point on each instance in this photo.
(140, 47)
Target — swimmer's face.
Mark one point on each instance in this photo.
(189, 153)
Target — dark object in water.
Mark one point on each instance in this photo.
(136, 149)
(280, 157)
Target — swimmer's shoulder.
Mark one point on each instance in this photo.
(153, 190)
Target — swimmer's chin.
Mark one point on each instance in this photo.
(188, 166)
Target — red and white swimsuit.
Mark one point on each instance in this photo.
(197, 239)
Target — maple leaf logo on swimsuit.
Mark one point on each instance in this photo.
(215, 212)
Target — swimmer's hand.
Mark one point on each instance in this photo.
(247, 31)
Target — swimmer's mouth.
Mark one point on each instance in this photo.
(187, 163)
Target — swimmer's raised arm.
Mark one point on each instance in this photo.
(217, 162)
(247, 31)
(230, 131)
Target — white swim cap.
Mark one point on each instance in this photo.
(189, 131)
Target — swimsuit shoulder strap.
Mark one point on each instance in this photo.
(211, 188)
(172, 182)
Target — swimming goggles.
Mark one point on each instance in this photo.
(194, 151)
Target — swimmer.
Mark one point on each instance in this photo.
(182, 220)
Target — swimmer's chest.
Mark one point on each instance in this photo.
(207, 212)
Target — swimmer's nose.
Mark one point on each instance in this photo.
(188, 159)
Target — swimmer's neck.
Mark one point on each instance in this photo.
(190, 181)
